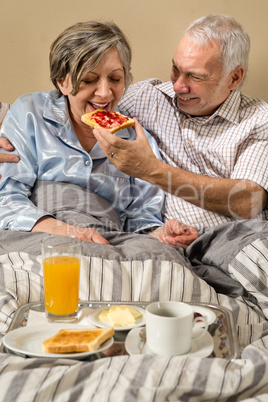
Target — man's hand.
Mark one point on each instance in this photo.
(5, 144)
(134, 158)
(53, 226)
(175, 233)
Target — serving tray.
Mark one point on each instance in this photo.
(222, 330)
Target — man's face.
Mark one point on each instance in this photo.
(199, 80)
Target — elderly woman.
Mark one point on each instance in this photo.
(90, 69)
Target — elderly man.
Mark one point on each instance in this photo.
(212, 137)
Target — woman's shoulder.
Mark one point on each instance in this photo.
(32, 97)
(35, 103)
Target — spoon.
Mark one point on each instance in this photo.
(142, 334)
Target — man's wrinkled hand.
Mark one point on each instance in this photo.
(134, 158)
(176, 234)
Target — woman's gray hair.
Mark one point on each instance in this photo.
(79, 49)
(233, 40)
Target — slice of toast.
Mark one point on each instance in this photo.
(111, 120)
(77, 340)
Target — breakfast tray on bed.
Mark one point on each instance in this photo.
(222, 328)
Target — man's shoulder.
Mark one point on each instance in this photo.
(153, 85)
(256, 104)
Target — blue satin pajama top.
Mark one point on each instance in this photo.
(39, 127)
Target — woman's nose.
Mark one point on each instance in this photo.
(103, 89)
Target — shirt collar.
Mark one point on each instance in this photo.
(55, 109)
(228, 109)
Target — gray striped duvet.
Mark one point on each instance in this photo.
(138, 268)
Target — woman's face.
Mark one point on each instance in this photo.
(101, 88)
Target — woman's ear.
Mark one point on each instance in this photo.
(237, 76)
(65, 85)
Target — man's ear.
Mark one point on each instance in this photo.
(237, 76)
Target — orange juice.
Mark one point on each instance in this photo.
(61, 284)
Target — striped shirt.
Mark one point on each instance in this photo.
(231, 143)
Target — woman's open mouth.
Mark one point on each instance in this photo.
(95, 105)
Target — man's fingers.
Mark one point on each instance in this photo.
(8, 158)
(107, 139)
(5, 144)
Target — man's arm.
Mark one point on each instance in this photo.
(242, 199)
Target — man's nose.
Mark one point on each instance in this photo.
(180, 85)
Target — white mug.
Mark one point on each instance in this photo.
(169, 327)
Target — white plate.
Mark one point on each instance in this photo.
(94, 318)
(205, 312)
(201, 347)
(28, 340)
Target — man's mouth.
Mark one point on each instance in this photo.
(96, 105)
(185, 99)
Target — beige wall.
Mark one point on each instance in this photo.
(152, 26)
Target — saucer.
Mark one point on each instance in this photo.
(205, 312)
(94, 318)
(201, 347)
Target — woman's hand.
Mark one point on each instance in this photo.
(53, 226)
(175, 233)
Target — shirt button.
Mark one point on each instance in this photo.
(87, 163)
(188, 143)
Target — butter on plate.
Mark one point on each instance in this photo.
(120, 316)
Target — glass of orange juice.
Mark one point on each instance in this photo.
(61, 256)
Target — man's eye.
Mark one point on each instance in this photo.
(175, 72)
(196, 77)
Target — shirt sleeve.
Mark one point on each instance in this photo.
(145, 210)
(252, 155)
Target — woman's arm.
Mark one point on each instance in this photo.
(50, 225)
